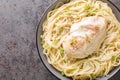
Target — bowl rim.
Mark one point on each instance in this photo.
(39, 52)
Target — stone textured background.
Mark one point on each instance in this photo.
(19, 59)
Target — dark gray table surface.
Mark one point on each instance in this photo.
(19, 59)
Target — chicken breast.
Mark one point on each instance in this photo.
(85, 37)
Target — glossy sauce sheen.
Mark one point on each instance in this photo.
(85, 37)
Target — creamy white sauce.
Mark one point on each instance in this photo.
(93, 28)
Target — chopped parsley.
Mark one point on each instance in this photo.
(107, 44)
(61, 51)
(108, 10)
(119, 31)
(62, 73)
(64, 60)
(41, 36)
(96, 10)
(55, 41)
(89, 56)
(93, 76)
(88, 6)
(54, 11)
(68, 13)
(98, 53)
(78, 59)
(91, 13)
(68, 7)
(60, 30)
(81, 67)
(74, 42)
(113, 58)
(46, 46)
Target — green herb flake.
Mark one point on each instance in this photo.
(62, 73)
(68, 13)
(93, 76)
(113, 58)
(89, 56)
(46, 46)
(78, 59)
(74, 42)
(119, 31)
(99, 53)
(68, 7)
(90, 13)
(55, 41)
(41, 36)
(107, 44)
(64, 61)
(87, 6)
(95, 11)
(61, 51)
(60, 30)
(81, 67)
(54, 11)
(108, 10)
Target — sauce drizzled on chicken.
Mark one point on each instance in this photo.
(85, 37)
